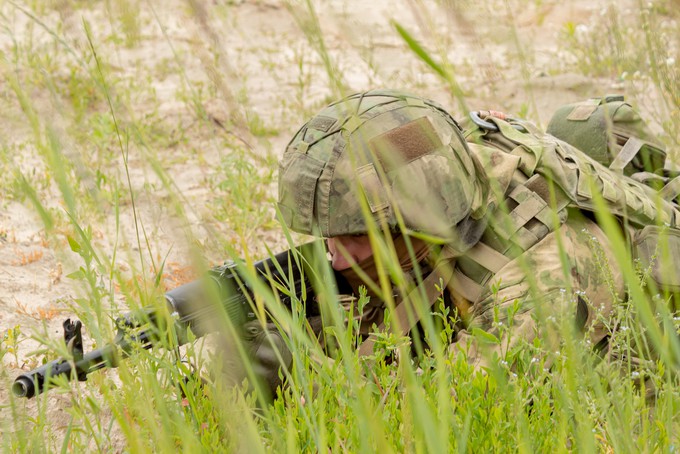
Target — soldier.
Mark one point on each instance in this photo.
(510, 245)
(495, 219)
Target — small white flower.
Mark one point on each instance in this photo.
(670, 61)
(635, 374)
(581, 30)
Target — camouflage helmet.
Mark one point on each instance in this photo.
(388, 153)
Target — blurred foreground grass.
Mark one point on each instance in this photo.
(144, 138)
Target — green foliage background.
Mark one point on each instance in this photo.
(139, 143)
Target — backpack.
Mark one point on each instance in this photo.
(553, 176)
(610, 131)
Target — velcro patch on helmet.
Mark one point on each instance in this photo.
(404, 144)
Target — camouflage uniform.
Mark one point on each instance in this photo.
(510, 221)
(586, 292)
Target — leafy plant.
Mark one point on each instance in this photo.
(111, 140)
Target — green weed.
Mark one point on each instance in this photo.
(640, 49)
(101, 149)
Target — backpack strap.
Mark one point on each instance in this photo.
(671, 190)
(631, 148)
(531, 147)
(532, 207)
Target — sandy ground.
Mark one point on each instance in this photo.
(267, 67)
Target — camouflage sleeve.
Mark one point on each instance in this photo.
(570, 275)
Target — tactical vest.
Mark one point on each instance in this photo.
(537, 179)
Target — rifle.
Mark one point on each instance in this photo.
(190, 307)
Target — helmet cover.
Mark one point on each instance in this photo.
(396, 156)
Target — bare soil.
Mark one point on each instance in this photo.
(252, 59)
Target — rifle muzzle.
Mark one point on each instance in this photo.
(23, 387)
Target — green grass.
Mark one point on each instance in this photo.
(134, 176)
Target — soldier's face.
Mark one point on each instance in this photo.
(346, 250)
